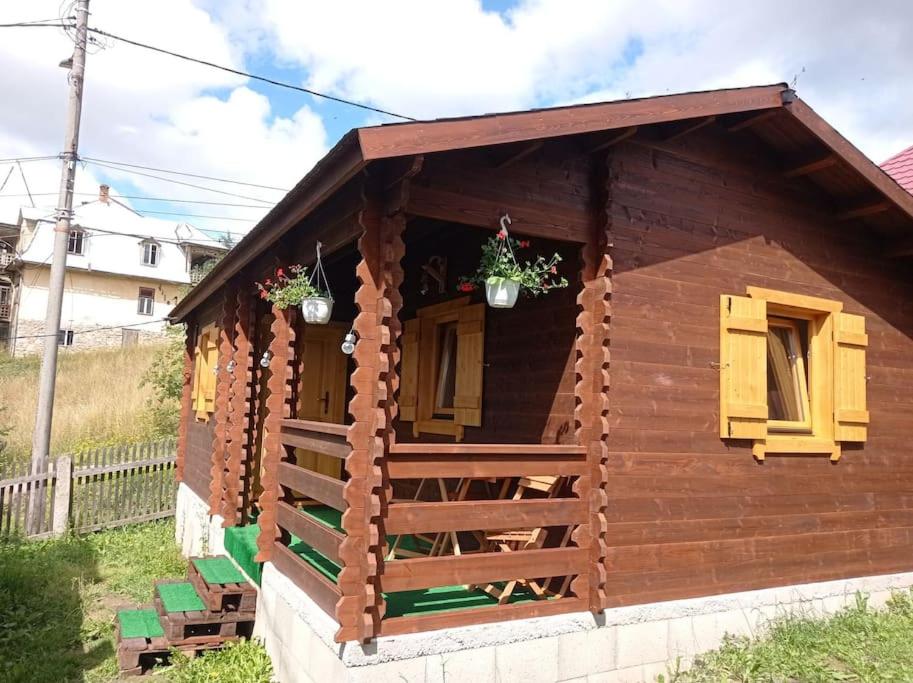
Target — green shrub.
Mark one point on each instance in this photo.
(165, 377)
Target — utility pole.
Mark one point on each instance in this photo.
(41, 438)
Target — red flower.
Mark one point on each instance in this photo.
(268, 282)
(502, 235)
(466, 287)
(263, 294)
(553, 270)
(524, 244)
(280, 272)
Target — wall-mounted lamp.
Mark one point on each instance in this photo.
(348, 343)
(266, 358)
(231, 366)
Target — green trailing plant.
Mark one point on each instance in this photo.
(289, 287)
(499, 262)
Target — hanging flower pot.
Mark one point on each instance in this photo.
(504, 277)
(295, 287)
(501, 292)
(317, 309)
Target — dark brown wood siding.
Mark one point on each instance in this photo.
(689, 514)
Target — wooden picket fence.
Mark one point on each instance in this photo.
(108, 487)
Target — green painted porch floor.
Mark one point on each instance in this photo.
(241, 544)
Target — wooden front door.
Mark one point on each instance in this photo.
(322, 397)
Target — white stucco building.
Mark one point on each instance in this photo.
(124, 273)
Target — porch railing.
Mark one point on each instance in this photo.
(437, 461)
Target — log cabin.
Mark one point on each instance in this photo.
(707, 427)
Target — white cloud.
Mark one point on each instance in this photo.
(148, 108)
(424, 59)
(432, 59)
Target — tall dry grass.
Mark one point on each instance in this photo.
(99, 400)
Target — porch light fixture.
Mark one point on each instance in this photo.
(348, 343)
(266, 358)
(230, 367)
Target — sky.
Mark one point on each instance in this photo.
(851, 61)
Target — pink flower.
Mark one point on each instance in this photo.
(524, 244)
(268, 282)
(263, 294)
(502, 235)
(280, 272)
(553, 270)
(466, 287)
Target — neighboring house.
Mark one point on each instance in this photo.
(900, 167)
(124, 274)
(9, 239)
(709, 427)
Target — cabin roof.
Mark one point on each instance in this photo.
(811, 148)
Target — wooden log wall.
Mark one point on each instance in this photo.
(239, 448)
(689, 514)
(278, 407)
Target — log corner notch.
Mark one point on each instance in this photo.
(279, 401)
(239, 427)
(372, 407)
(186, 398)
(224, 379)
(592, 386)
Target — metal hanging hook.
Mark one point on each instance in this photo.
(505, 219)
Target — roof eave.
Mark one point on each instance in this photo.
(339, 165)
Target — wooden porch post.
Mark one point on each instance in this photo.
(278, 407)
(186, 408)
(591, 390)
(238, 448)
(362, 605)
(223, 388)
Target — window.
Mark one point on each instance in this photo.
(76, 244)
(792, 373)
(146, 301)
(150, 254)
(65, 338)
(441, 369)
(206, 358)
(787, 376)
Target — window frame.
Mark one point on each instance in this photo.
(80, 236)
(65, 338)
(836, 374)
(802, 376)
(148, 294)
(155, 248)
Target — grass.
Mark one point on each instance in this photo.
(99, 401)
(857, 644)
(58, 600)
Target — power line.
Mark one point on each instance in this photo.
(197, 215)
(13, 160)
(94, 329)
(179, 182)
(144, 198)
(37, 23)
(255, 77)
(190, 175)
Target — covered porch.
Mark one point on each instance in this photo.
(448, 472)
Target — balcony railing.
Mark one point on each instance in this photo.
(6, 258)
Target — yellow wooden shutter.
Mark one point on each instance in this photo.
(408, 372)
(212, 362)
(850, 341)
(467, 400)
(743, 368)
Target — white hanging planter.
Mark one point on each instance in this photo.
(501, 292)
(317, 309)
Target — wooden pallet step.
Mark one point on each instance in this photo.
(221, 585)
(142, 645)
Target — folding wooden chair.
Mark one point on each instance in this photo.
(518, 540)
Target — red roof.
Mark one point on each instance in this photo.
(900, 168)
